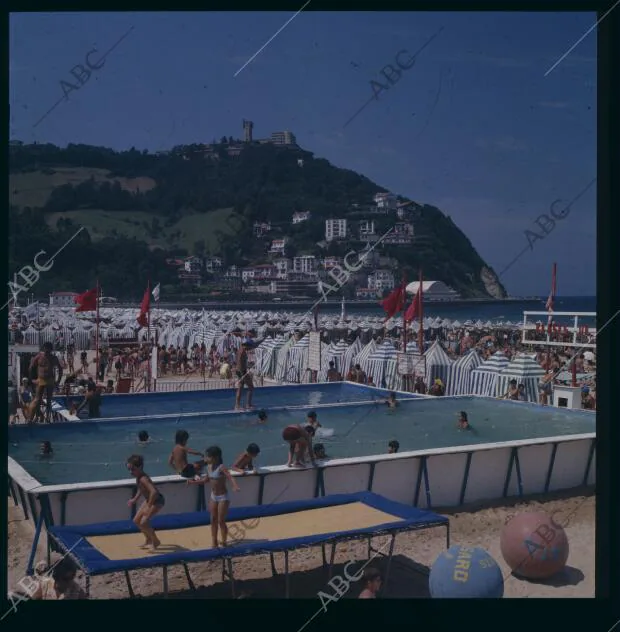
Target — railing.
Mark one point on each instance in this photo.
(557, 335)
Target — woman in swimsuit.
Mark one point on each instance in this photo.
(219, 501)
(154, 500)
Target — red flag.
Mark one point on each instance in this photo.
(414, 309)
(394, 302)
(144, 309)
(87, 302)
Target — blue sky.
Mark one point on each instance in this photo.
(474, 127)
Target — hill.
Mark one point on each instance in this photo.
(138, 209)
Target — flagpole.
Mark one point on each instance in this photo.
(405, 312)
(97, 334)
(550, 309)
(148, 332)
(421, 315)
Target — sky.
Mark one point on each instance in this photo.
(476, 126)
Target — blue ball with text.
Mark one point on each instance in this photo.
(464, 572)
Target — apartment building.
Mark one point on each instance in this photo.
(366, 229)
(386, 201)
(301, 216)
(381, 280)
(335, 229)
(283, 266)
(278, 247)
(305, 264)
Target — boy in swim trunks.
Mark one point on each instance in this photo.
(178, 457)
(219, 501)
(154, 500)
(245, 462)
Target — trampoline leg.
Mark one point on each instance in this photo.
(223, 570)
(369, 547)
(287, 578)
(448, 536)
(332, 556)
(88, 585)
(274, 571)
(132, 594)
(232, 579)
(324, 556)
(189, 577)
(165, 582)
(389, 563)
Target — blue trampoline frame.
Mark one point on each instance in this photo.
(71, 540)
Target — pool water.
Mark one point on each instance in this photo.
(138, 405)
(97, 451)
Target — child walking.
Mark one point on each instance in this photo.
(219, 501)
(154, 500)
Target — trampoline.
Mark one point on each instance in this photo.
(112, 547)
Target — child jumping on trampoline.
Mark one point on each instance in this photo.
(219, 501)
(154, 500)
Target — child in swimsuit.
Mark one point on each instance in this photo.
(245, 462)
(300, 444)
(391, 401)
(46, 449)
(154, 500)
(143, 437)
(178, 458)
(219, 501)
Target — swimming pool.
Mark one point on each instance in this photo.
(217, 400)
(97, 451)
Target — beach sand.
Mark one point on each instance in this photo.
(414, 552)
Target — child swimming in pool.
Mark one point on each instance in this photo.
(153, 500)
(219, 501)
(143, 437)
(463, 422)
(391, 401)
(178, 458)
(46, 449)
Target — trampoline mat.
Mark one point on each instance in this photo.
(299, 524)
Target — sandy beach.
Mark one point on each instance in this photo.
(414, 553)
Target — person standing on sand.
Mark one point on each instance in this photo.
(153, 500)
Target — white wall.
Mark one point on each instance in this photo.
(397, 477)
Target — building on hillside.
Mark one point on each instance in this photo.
(365, 293)
(433, 290)
(260, 228)
(366, 229)
(259, 272)
(305, 264)
(283, 138)
(335, 229)
(283, 266)
(301, 216)
(192, 265)
(294, 287)
(213, 264)
(63, 299)
(332, 262)
(386, 201)
(381, 280)
(278, 247)
(401, 235)
(248, 126)
(232, 272)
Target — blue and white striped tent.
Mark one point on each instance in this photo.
(381, 365)
(526, 371)
(438, 363)
(334, 353)
(459, 374)
(348, 360)
(484, 379)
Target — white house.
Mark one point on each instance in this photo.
(401, 235)
(335, 229)
(278, 246)
(305, 264)
(260, 228)
(213, 264)
(283, 266)
(366, 228)
(301, 216)
(381, 280)
(386, 201)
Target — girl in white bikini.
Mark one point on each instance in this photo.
(219, 501)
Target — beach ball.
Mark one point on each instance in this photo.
(464, 572)
(534, 545)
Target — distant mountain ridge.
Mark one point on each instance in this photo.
(139, 209)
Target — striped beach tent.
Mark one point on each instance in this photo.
(459, 374)
(484, 379)
(526, 371)
(362, 357)
(282, 362)
(333, 353)
(348, 359)
(381, 365)
(438, 363)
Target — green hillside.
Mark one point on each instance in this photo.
(139, 209)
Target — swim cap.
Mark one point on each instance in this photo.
(291, 433)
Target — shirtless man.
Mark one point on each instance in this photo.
(45, 362)
(300, 445)
(243, 376)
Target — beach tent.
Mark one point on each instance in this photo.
(348, 359)
(437, 363)
(459, 374)
(333, 353)
(484, 379)
(282, 359)
(362, 357)
(381, 365)
(526, 371)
